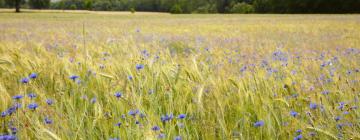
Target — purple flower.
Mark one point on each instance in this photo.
(118, 124)
(298, 131)
(33, 75)
(298, 137)
(8, 137)
(49, 101)
(74, 77)
(31, 95)
(182, 116)
(48, 121)
(139, 66)
(93, 100)
(17, 97)
(25, 80)
(155, 128)
(259, 123)
(337, 118)
(130, 77)
(293, 113)
(166, 118)
(3, 114)
(133, 112)
(313, 105)
(33, 106)
(118, 94)
(161, 136)
(178, 138)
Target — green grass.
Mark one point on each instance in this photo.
(193, 65)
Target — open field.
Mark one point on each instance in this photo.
(148, 76)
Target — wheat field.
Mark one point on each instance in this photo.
(108, 75)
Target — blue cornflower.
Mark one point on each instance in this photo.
(259, 123)
(337, 118)
(293, 113)
(166, 118)
(325, 92)
(13, 130)
(118, 124)
(74, 77)
(25, 80)
(49, 101)
(161, 136)
(155, 128)
(93, 100)
(7, 137)
(133, 112)
(298, 137)
(178, 138)
(182, 116)
(33, 106)
(17, 97)
(139, 66)
(31, 95)
(130, 77)
(298, 131)
(341, 105)
(33, 75)
(48, 121)
(3, 114)
(313, 105)
(118, 94)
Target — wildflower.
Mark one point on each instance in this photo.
(166, 118)
(161, 136)
(182, 116)
(259, 123)
(118, 124)
(33, 75)
(118, 94)
(313, 105)
(17, 97)
(133, 112)
(337, 118)
(33, 106)
(139, 66)
(155, 128)
(178, 138)
(31, 95)
(93, 100)
(325, 92)
(13, 130)
(130, 77)
(298, 137)
(74, 77)
(49, 101)
(7, 137)
(3, 114)
(48, 121)
(25, 80)
(298, 131)
(137, 122)
(293, 113)
(341, 105)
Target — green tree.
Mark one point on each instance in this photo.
(39, 4)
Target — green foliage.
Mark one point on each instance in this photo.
(176, 9)
(132, 10)
(243, 8)
(39, 4)
(73, 7)
(209, 8)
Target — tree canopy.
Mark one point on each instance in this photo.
(200, 6)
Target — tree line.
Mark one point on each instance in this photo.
(194, 6)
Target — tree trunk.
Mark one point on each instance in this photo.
(17, 6)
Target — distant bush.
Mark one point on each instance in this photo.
(209, 8)
(243, 8)
(176, 9)
(73, 7)
(132, 10)
(39, 4)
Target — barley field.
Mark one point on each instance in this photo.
(111, 76)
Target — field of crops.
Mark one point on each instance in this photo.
(141, 76)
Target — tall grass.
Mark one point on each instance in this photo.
(224, 72)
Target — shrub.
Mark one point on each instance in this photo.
(242, 8)
(176, 9)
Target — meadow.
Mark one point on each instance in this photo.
(108, 75)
